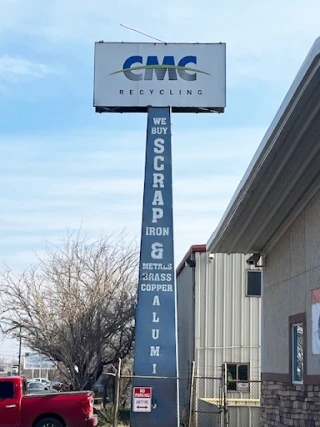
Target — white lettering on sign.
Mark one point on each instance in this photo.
(158, 180)
(159, 131)
(158, 145)
(160, 121)
(157, 213)
(152, 287)
(157, 277)
(157, 281)
(157, 199)
(155, 350)
(155, 334)
(157, 231)
(155, 319)
(157, 250)
(156, 300)
(157, 163)
(156, 266)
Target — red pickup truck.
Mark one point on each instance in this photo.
(18, 409)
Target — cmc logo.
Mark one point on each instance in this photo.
(152, 67)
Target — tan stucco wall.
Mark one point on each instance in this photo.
(292, 271)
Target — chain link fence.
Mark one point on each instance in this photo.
(214, 405)
(243, 404)
(207, 402)
(203, 401)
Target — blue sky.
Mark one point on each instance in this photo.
(63, 166)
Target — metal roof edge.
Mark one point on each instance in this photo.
(255, 165)
(160, 43)
(193, 249)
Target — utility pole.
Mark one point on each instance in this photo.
(20, 347)
(225, 392)
(117, 395)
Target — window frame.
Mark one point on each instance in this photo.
(297, 320)
(236, 381)
(255, 271)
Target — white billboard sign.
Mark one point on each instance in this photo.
(185, 76)
(38, 361)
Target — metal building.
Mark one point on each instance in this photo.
(219, 324)
(275, 212)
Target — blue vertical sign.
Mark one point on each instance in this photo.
(155, 335)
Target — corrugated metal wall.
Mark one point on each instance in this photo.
(186, 325)
(228, 323)
(217, 322)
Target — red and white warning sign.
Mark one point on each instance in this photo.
(142, 399)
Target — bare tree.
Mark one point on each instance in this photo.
(77, 305)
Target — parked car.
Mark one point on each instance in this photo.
(56, 384)
(40, 380)
(47, 383)
(35, 387)
(19, 409)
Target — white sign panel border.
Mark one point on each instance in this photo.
(188, 77)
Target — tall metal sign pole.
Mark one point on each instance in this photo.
(157, 79)
(155, 342)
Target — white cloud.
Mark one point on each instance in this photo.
(98, 183)
(266, 41)
(12, 69)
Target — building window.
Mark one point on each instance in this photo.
(297, 352)
(253, 283)
(236, 373)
